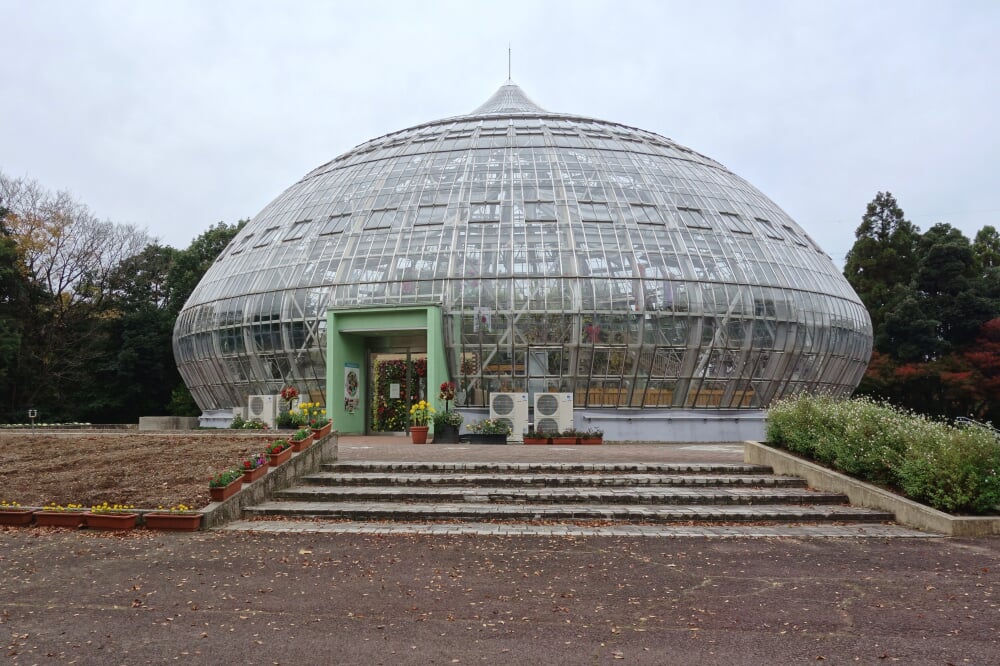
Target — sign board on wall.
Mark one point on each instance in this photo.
(352, 381)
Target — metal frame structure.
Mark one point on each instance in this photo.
(566, 254)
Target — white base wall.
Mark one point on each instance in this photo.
(660, 425)
(216, 418)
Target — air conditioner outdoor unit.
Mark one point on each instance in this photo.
(511, 408)
(553, 412)
(263, 407)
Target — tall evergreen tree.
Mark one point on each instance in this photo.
(884, 252)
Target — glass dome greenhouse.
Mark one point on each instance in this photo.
(560, 253)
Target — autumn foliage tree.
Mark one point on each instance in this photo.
(934, 301)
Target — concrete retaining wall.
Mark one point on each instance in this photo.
(907, 512)
(277, 478)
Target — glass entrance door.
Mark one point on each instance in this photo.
(398, 379)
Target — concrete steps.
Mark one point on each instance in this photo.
(554, 493)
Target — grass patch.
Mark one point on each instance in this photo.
(952, 469)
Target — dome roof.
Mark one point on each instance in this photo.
(551, 218)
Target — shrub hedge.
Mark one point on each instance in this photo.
(951, 469)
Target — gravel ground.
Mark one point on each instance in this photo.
(93, 598)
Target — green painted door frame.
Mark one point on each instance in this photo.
(347, 334)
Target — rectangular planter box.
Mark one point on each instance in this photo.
(278, 458)
(59, 518)
(320, 433)
(111, 521)
(487, 439)
(225, 492)
(249, 476)
(19, 517)
(178, 522)
(301, 445)
(536, 441)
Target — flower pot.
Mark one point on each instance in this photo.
(320, 433)
(251, 475)
(536, 440)
(178, 522)
(445, 434)
(564, 441)
(476, 438)
(278, 458)
(418, 434)
(301, 444)
(591, 440)
(225, 492)
(111, 521)
(59, 518)
(19, 517)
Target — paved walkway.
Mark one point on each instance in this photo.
(354, 447)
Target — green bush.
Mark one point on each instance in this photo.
(955, 470)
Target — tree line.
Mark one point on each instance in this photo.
(87, 309)
(934, 300)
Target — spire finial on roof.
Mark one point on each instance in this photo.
(508, 99)
(508, 63)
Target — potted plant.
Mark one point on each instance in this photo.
(106, 516)
(536, 438)
(239, 423)
(489, 431)
(284, 421)
(420, 416)
(279, 451)
(316, 418)
(57, 515)
(254, 467)
(446, 425)
(301, 439)
(224, 484)
(180, 518)
(568, 436)
(289, 395)
(592, 435)
(12, 513)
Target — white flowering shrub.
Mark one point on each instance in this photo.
(951, 469)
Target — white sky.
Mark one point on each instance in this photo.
(175, 115)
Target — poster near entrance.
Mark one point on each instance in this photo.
(352, 383)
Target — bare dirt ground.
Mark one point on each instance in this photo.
(146, 470)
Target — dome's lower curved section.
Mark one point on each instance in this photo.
(688, 345)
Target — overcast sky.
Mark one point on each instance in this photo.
(175, 115)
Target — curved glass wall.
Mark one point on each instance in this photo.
(568, 253)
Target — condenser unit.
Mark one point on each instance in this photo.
(511, 408)
(553, 412)
(263, 407)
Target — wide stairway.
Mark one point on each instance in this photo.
(561, 498)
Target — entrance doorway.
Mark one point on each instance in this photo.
(395, 356)
(398, 378)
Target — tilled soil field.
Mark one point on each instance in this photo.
(143, 469)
